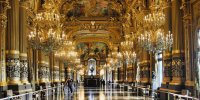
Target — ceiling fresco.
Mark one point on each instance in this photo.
(91, 8)
(95, 49)
(91, 35)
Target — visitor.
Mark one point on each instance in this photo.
(103, 82)
(65, 88)
(69, 85)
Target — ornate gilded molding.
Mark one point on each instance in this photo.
(4, 5)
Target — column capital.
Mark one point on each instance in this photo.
(4, 5)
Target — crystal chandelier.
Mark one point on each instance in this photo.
(155, 41)
(154, 38)
(127, 49)
(67, 52)
(127, 45)
(47, 35)
(47, 42)
(156, 18)
(133, 57)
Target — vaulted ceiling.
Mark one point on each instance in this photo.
(94, 20)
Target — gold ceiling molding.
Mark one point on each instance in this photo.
(113, 33)
(103, 40)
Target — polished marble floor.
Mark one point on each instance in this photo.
(107, 93)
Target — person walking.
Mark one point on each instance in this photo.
(69, 85)
(65, 89)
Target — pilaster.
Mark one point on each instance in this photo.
(167, 63)
(4, 5)
(189, 55)
(43, 69)
(178, 59)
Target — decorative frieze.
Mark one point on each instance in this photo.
(178, 68)
(4, 5)
(167, 62)
(56, 76)
(13, 67)
(24, 71)
(43, 73)
(145, 71)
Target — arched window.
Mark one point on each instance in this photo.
(91, 67)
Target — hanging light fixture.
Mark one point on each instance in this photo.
(154, 38)
(127, 49)
(48, 35)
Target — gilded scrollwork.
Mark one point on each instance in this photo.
(4, 5)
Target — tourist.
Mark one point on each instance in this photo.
(69, 85)
(65, 88)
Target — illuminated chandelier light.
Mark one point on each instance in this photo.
(47, 35)
(156, 18)
(47, 42)
(127, 44)
(133, 57)
(67, 53)
(155, 41)
(127, 49)
(153, 38)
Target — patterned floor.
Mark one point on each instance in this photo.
(107, 93)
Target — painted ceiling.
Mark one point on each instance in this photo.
(97, 49)
(91, 8)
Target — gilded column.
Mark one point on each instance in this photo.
(23, 44)
(145, 69)
(4, 5)
(35, 65)
(178, 61)
(56, 74)
(187, 22)
(43, 66)
(116, 75)
(167, 57)
(12, 45)
(69, 74)
(167, 62)
(61, 72)
(51, 67)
